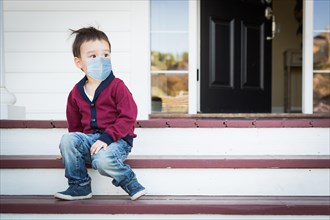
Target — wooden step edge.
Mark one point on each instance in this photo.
(203, 161)
(233, 205)
(188, 123)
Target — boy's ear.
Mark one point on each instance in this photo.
(78, 62)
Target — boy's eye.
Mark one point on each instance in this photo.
(106, 55)
(92, 56)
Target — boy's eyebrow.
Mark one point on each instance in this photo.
(93, 51)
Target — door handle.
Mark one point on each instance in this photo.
(270, 15)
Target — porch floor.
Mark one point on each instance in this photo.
(239, 115)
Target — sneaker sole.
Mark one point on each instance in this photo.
(68, 197)
(139, 194)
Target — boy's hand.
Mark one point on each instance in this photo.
(97, 146)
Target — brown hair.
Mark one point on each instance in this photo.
(84, 35)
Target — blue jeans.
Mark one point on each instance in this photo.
(75, 150)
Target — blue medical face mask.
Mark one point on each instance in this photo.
(99, 68)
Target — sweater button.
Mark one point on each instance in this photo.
(92, 104)
(93, 120)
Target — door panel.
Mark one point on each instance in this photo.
(221, 29)
(252, 56)
(235, 57)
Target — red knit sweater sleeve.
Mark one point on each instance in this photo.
(73, 114)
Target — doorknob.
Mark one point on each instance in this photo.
(270, 15)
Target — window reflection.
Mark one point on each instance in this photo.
(321, 56)
(169, 61)
(170, 92)
(169, 56)
(321, 51)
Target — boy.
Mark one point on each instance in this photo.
(101, 114)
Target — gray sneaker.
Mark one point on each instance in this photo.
(75, 192)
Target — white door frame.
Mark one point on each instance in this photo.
(307, 65)
(193, 33)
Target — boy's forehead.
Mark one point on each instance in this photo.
(95, 45)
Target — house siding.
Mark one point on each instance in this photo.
(39, 66)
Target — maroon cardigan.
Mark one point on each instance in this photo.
(112, 112)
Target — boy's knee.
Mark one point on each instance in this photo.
(104, 161)
(66, 137)
(68, 140)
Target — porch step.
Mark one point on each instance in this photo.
(184, 141)
(226, 205)
(171, 161)
(199, 121)
(226, 175)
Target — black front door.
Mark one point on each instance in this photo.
(235, 56)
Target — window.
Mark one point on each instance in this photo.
(321, 50)
(169, 56)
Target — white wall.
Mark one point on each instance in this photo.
(39, 66)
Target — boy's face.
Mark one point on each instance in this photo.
(90, 50)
